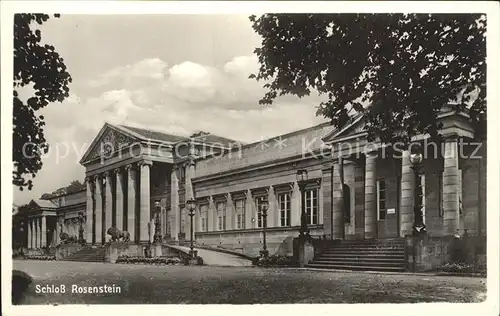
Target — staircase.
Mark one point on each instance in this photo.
(88, 254)
(363, 255)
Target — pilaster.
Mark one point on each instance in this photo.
(451, 187)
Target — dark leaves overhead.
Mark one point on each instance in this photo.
(40, 66)
(406, 67)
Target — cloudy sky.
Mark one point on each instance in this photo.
(172, 73)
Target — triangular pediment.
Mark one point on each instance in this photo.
(110, 139)
(354, 127)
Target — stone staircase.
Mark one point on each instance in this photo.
(363, 255)
(88, 254)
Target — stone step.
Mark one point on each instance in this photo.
(355, 267)
(361, 263)
(360, 258)
(366, 255)
(362, 252)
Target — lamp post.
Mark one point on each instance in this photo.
(191, 206)
(157, 236)
(264, 205)
(301, 181)
(416, 161)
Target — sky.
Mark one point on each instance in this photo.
(173, 73)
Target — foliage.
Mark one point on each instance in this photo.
(462, 267)
(399, 70)
(41, 257)
(274, 260)
(156, 260)
(41, 66)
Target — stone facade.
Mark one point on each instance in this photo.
(139, 181)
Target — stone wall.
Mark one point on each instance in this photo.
(428, 253)
(249, 242)
(65, 250)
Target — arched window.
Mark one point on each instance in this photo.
(347, 203)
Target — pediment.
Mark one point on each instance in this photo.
(354, 127)
(109, 141)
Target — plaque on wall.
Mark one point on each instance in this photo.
(391, 211)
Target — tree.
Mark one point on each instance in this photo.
(75, 186)
(41, 66)
(399, 70)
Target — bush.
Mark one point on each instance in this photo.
(44, 257)
(461, 267)
(273, 260)
(142, 260)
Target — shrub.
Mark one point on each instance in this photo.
(44, 257)
(461, 267)
(273, 260)
(164, 260)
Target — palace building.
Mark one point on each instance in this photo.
(137, 179)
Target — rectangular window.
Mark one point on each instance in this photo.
(258, 202)
(221, 215)
(381, 199)
(204, 217)
(240, 213)
(284, 201)
(312, 206)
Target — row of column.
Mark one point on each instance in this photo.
(250, 210)
(137, 178)
(451, 189)
(37, 232)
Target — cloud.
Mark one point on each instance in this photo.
(182, 99)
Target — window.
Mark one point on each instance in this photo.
(312, 206)
(221, 215)
(284, 201)
(347, 203)
(381, 199)
(204, 217)
(258, 202)
(240, 213)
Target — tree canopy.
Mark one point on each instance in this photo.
(399, 70)
(39, 66)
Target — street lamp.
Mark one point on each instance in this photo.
(264, 205)
(191, 206)
(301, 181)
(416, 161)
(157, 236)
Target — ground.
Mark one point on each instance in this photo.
(240, 285)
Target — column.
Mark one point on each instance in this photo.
(451, 187)
(407, 192)
(272, 219)
(371, 195)
(211, 216)
(249, 212)
(39, 233)
(44, 231)
(33, 233)
(230, 215)
(296, 206)
(58, 232)
(30, 235)
(89, 213)
(131, 201)
(337, 203)
(108, 208)
(119, 198)
(145, 207)
(98, 210)
(175, 215)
